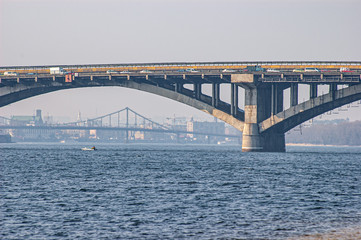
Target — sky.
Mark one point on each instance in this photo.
(56, 32)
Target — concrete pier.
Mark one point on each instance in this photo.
(261, 102)
(251, 139)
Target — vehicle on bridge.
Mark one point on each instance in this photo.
(298, 70)
(311, 70)
(345, 69)
(229, 70)
(191, 70)
(272, 70)
(145, 71)
(254, 69)
(111, 71)
(57, 70)
(10, 73)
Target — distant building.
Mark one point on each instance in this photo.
(75, 133)
(30, 134)
(36, 120)
(205, 127)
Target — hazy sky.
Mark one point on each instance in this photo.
(51, 32)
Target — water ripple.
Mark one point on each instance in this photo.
(175, 192)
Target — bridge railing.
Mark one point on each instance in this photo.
(200, 65)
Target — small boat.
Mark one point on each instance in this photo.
(88, 149)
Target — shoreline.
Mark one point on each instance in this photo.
(317, 145)
(347, 233)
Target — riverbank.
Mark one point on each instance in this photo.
(351, 233)
(316, 145)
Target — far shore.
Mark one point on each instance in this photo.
(317, 145)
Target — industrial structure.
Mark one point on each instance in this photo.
(263, 121)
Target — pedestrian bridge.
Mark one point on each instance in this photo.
(263, 120)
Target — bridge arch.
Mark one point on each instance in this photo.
(295, 115)
(10, 95)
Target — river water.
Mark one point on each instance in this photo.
(57, 191)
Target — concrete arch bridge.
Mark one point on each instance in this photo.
(263, 120)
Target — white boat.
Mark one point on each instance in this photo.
(88, 149)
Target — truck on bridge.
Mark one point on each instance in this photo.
(57, 70)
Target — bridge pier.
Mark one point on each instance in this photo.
(274, 142)
(251, 139)
(262, 101)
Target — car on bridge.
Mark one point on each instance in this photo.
(191, 70)
(111, 71)
(145, 71)
(254, 69)
(345, 69)
(298, 70)
(273, 70)
(311, 70)
(228, 70)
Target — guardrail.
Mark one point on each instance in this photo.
(198, 65)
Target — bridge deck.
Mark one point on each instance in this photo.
(206, 76)
(197, 65)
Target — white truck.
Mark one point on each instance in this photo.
(10, 73)
(57, 70)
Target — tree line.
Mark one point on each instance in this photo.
(327, 133)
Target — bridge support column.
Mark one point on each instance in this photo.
(258, 106)
(251, 139)
(197, 90)
(333, 90)
(274, 142)
(215, 94)
(294, 94)
(276, 99)
(313, 90)
(178, 87)
(234, 99)
(253, 110)
(235, 96)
